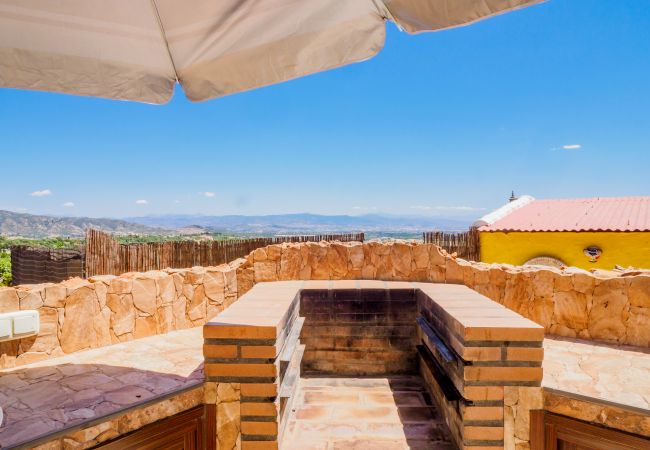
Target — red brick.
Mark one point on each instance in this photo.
(239, 332)
(220, 351)
(525, 354)
(258, 409)
(482, 373)
(260, 428)
(241, 370)
(482, 353)
(258, 351)
(259, 445)
(259, 390)
(483, 433)
(481, 413)
(482, 392)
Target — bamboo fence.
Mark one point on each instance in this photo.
(464, 244)
(106, 256)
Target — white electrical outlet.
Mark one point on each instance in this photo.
(5, 328)
(19, 324)
(26, 323)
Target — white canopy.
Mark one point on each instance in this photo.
(138, 49)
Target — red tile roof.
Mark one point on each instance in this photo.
(581, 214)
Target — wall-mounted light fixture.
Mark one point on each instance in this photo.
(593, 253)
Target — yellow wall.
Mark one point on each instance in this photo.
(624, 249)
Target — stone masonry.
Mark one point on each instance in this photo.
(571, 303)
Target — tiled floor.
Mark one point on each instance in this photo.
(330, 413)
(364, 414)
(56, 394)
(613, 373)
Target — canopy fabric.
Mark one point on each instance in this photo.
(416, 16)
(138, 49)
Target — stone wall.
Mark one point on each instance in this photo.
(518, 402)
(604, 306)
(80, 314)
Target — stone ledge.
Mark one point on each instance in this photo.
(628, 419)
(260, 314)
(614, 376)
(108, 388)
(474, 317)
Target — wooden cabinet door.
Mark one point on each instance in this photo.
(184, 431)
(553, 432)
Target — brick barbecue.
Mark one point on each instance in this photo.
(468, 349)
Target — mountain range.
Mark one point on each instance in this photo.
(35, 226)
(40, 226)
(304, 223)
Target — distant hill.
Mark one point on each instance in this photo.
(33, 226)
(305, 223)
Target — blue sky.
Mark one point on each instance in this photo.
(551, 101)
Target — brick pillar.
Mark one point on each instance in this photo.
(475, 354)
(241, 368)
(245, 350)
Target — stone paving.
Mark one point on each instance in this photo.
(610, 373)
(57, 394)
(330, 413)
(365, 413)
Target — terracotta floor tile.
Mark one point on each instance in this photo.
(366, 414)
(306, 445)
(318, 413)
(329, 397)
(302, 430)
(378, 398)
(390, 431)
(368, 444)
(346, 431)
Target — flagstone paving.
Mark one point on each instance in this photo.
(330, 413)
(365, 413)
(49, 396)
(611, 373)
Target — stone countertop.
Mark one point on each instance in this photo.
(51, 396)
(474, 317)
(612, 374)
